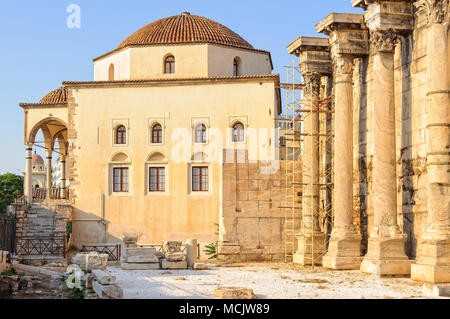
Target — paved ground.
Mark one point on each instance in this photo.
(272, 281)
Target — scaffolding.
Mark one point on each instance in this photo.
(301, 168)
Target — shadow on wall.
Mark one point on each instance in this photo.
(88, 228)
(363, 161)
(407, 171)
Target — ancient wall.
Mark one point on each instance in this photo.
(410, 101)
(253, 222)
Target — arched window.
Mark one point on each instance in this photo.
(236, 67)
(169, 65)
(157, 134)
(200, 134)
(238, 132)
(121, 135)
(111, 72)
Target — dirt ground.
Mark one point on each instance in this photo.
(268, 281)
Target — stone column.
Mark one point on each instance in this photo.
(386, 249)
(348, 39)
(28, 184)
(48, 171)
(63, 175)
(315, 62)
(311, 240)
(433, 259)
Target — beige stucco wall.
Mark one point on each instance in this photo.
(191, 61)
(179, 214)
(34, 116)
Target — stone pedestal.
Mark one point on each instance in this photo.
(348, 39)
(191, 252)
(311, 249)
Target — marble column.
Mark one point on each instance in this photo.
(48, 170)
(348, 40)
(344, 247)
(28, 184)
(433, 258)
(386, 250)
(63, 175)
(311, 240)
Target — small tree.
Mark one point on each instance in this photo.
(11, 187)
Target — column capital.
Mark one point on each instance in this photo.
(436, 10)
(383, 40)
(348, 34)
(312, 83)
(343, 64)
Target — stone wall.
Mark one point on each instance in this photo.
(410, 101)
(253, 222)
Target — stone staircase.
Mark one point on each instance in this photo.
(40, 232)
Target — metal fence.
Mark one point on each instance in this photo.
(113, 250)
(41, 246)
(7, 235)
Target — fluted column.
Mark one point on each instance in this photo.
(311, 240)
(344, 246)
(28, 184)
(48, 171)
(433, 259)
(386, 253)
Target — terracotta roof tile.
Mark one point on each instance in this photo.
(58, 96)
(185, 28)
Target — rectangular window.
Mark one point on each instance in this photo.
(200, 179)
(120, 179)
(157, 179)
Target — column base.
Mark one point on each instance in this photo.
(430, 273)
(386, 256)
(343, 251)
(436, 291)
(311, 249)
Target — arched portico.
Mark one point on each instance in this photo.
(54, 133)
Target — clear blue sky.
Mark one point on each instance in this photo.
(38, 50)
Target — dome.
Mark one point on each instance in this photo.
(185, 28)
(58, 96)
(37, 160)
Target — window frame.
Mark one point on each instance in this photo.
(124, 135)
(236, 67)
(121, 183)
(169, 66)
(158, 176)
(201, 188)
(160, 135)
(204, 133)
(233, 128)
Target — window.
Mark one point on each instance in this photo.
(157, 177)
(200, 179)
(169, 65)
(200, 134)
(120, 179)
(236, 67)
(157, 134)
(121, 135)
(111, 73)
(238, 133)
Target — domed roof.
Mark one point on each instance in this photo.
(185, 28)
(58, 96)
(37, 159)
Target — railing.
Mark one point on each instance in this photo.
(113, 250)
(56, 193)
(41, 246)
(7, 235)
